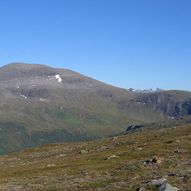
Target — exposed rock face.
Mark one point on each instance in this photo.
(173, 104)
(187, 107)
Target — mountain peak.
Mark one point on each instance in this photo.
(23, 66)
(25, 70)
(20, 70)
(29, 76)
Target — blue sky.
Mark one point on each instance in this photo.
(127, 43)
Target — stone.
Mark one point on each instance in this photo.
(103, 148)
(158, 182)
(155, 160)
(51, 165)
(170, 188)
(113, 157)
(177, 151)
(162, 185)
(83, 151)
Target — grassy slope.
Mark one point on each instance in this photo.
(78, 116)
(63, 167)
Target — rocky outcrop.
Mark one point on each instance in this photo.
(171, 103)
(133, 128)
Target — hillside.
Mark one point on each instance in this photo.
(41, 105)
(129, 162)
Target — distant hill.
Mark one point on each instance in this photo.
(40, 105)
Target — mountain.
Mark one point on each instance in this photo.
(40, 105)
(150, 90)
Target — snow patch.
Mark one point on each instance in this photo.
(42, 100)
(23, 96)
(58, 78)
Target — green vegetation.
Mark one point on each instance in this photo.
(116, 163)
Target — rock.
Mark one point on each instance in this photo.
(170, 188)
(146, 162)
(62, 155)
(113, 157)
(158, 182)
(177, 151)
(84, 151)
(159, 160)
(162, 185)
(155, 160)
(51, 165)
(103, 148)
(133, 128)
(113, 138)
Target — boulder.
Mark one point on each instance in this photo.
(163, 185)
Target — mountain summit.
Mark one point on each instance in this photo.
(40, 105)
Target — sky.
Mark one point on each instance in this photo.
(127, 43)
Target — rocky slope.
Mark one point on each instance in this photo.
(147, 160)
(40, 105)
